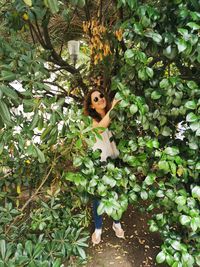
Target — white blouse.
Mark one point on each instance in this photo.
(108, 148)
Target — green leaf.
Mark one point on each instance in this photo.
(176, 245)
(153, 226)
(149, 72)
(162, 120)
(101, 208)
(3, 248)
(195, 126)
(4, 113)
(1, 147)
(182, 45)
(198, 132)
(81, 3)
(163, 165)
(77, 162)
(160, 257)
(29, 247)
(170, 52)
(164, 83)
(173, 167)
(129, 54)
(192, 85)
(191, 117)
(101, 189)
(184, 220)
(89, 163)
(132, 197)
(187, 259)
(57, 263)
(34, 121)
(40, 154)
(133, 109)
(70, 176)
(123, 103)
(79, 143)
(160, 193)
(169, 259)
(136, 188)
(191, 104)
(196, 192)
(180, 200)
(109, 181)
(172, 151)
(144, 195)
(81, 252)
(197, 166)
(142, 74)
(166, 131)
(109, 208)
(53, 5)
(10, 92)
(150, 179)
(195, 223)
(28, 2)
(193, 26)
(7, 76)
(155, 95)
(155, 36)
(193, 144)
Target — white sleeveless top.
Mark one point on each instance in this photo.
(108, 148)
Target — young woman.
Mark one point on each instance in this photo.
(98, 106)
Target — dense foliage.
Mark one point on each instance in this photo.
(145, 52)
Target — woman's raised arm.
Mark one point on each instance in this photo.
(105, 121)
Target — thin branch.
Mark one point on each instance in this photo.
(57, 59)
(87, 11)
(38, 28)
(30, 199)
(6, 175)
(31, 31)
(67, 28)
(55, 84)
(101, 11)
(54, 70)
(37, 35)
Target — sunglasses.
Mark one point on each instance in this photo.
(96, 99)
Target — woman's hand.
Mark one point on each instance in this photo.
(114, 102)
(105, 121)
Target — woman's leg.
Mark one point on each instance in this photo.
(98, 221)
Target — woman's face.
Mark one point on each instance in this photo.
(98, 100)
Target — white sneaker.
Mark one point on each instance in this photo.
(96, 237)
(119, 232)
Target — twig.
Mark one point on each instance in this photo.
(6, 175)
(55, 84)
(30, 199)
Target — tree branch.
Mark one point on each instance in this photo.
(55, 84)
(57, 59)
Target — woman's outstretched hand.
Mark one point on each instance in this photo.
(114, 102)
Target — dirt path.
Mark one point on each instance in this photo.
(139, 249)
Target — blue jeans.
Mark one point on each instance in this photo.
(98, 221)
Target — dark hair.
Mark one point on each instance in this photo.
(88, 110)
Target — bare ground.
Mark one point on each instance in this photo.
(139, 249)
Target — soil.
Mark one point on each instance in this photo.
(139, 249)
